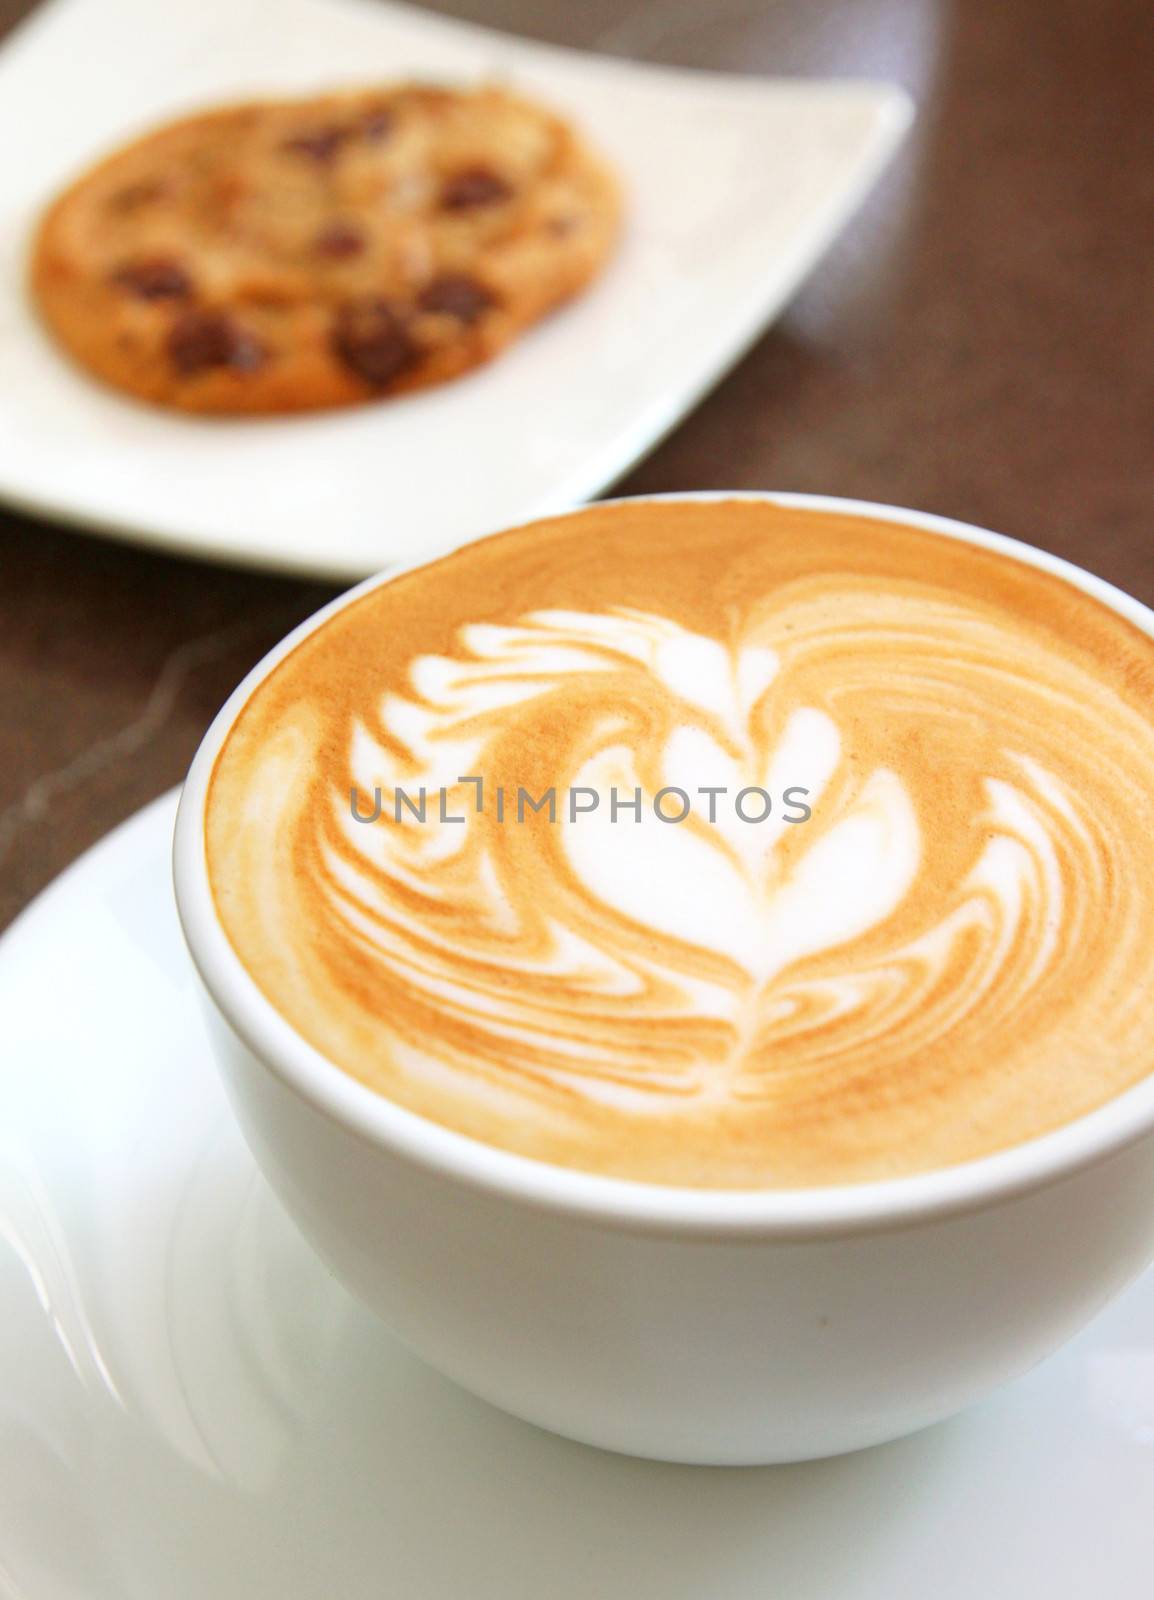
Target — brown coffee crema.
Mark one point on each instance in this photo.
(951, 953)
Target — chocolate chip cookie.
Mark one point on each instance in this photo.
(292, 255)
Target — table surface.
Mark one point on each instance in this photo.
(979, 343)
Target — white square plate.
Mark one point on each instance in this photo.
(735, 186)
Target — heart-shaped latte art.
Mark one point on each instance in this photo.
(822, 876)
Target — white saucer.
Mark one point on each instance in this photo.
(190, 1408)
(735, 187)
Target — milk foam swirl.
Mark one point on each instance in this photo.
(949, 954)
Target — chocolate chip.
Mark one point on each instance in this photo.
(318, 144)
(338, 240)
(456, 294)
(155, 278)
(201, 340)
(371, 338)
(472, 187)
(377, 124)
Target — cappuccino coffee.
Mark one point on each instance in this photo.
(720, 844)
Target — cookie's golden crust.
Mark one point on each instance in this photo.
(296, 255)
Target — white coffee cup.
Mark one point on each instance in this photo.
(689, 1325)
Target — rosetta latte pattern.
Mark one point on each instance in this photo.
(714, 999)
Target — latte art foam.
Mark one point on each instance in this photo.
(954, 952)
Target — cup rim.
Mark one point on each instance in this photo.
(625, 1203)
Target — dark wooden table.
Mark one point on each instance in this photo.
(979, 343)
